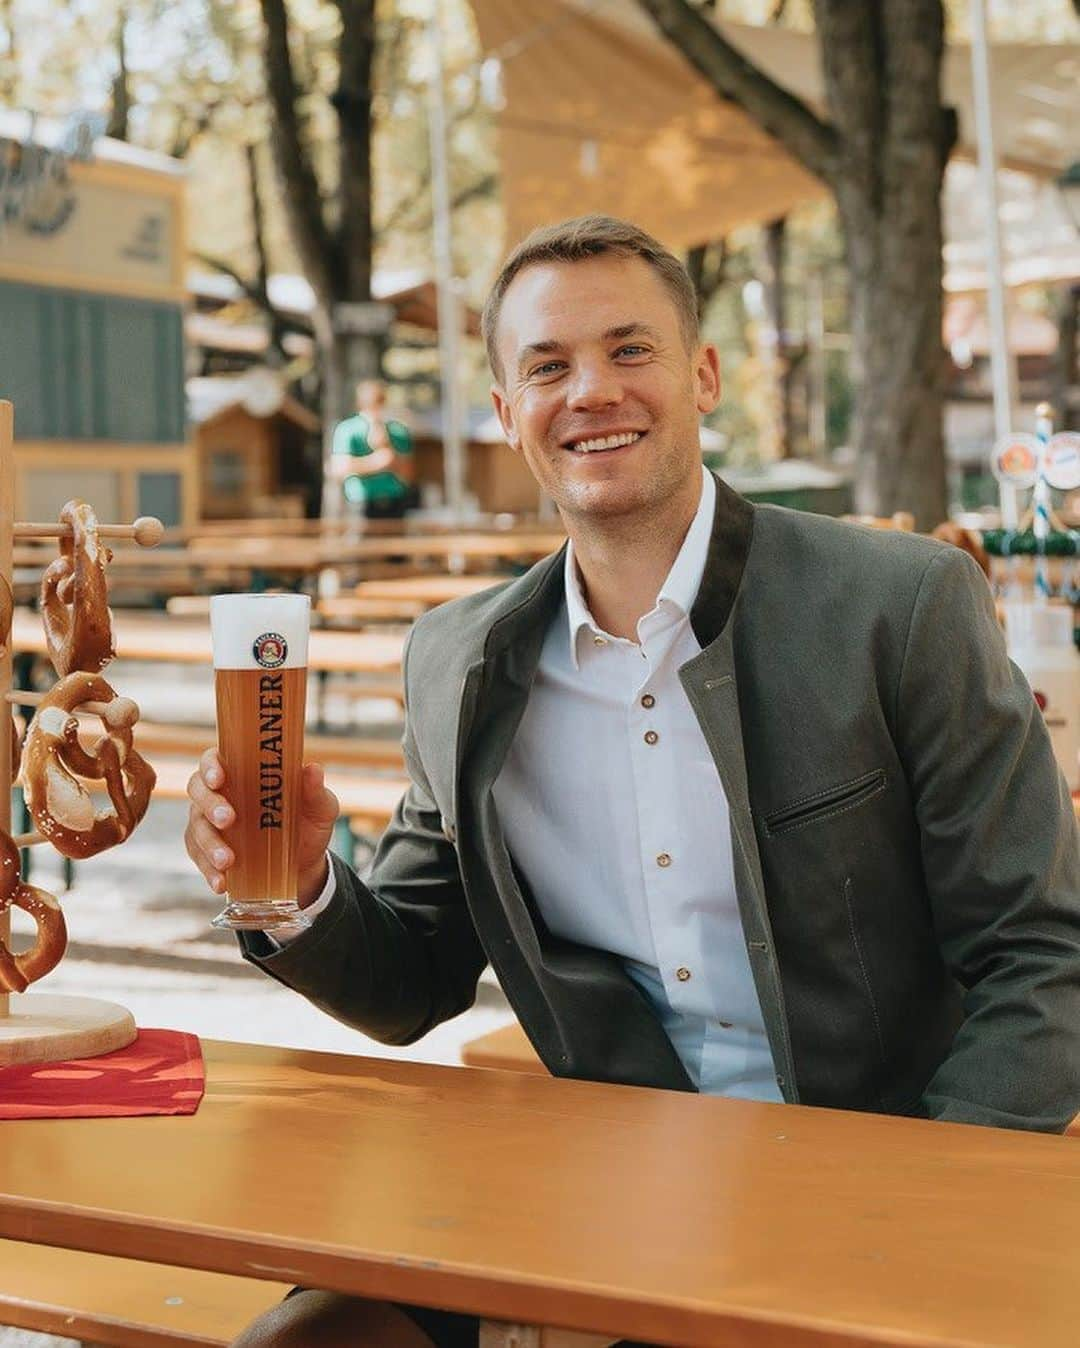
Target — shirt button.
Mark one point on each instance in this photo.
(651, 737)
(648, 700)
(682, 974)
(663, 859)
(599, 641)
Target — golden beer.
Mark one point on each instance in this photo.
(260, 683)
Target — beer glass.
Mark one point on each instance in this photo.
(260, 644)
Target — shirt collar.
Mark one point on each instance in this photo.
(683, 580)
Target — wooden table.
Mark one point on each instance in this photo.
(663, 1216)
(187, 641)
(429, 590)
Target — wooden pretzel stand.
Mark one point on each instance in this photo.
(36, 1028)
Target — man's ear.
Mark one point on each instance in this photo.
(707, 377)
(505, 414)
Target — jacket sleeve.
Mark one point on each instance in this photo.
(397, 955)
(1000, 853)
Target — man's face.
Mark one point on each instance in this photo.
(598, 389)
(370, 396)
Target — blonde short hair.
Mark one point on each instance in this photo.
(590, 236)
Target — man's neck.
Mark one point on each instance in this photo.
(623, 564)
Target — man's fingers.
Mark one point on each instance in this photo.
(211, 843)
(213, 876)
(216, 808)
(210, 768)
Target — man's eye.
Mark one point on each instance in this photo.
(548, 367)
(632, 350)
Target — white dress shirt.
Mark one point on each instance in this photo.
(612, 808)
(614, 812)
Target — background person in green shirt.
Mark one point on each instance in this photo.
(372, 458)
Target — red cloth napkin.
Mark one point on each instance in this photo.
(161, 1072)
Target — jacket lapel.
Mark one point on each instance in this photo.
(711, 685)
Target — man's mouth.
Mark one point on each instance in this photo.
(598, 443)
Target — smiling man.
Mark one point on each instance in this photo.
(734, 799)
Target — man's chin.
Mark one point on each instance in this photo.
(600, 500)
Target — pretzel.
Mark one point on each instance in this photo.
(54, 760)
(17, 972)
(7, 613)
(75, 596)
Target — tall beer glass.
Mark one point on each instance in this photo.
(260, 645)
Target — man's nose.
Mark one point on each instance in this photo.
(594, 384)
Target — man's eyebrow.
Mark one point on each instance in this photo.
(625, 330)
(537, 349)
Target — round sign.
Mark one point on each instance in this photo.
(1016, 459)
(1061, 461)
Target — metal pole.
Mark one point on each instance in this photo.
(819, 389)
(449, 345)
(1003, 369)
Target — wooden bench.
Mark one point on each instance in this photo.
(367, 802)
(189, 741)
(124, 1303)
(352, 610)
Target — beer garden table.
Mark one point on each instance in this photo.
(187, 641)
(656, 1215)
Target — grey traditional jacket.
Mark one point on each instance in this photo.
(906, 856)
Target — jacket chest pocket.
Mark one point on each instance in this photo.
(834, 800)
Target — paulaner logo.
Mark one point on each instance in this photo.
(270, 650)
(270, 749)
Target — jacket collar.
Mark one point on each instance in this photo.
(530, 605)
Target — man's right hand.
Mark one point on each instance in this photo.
(210, 813)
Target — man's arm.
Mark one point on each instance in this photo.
(396, 955)
(399, 954)
(1001, 857)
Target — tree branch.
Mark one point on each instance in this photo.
(707, 265)
(811, 141)
(299, 184)
(481, 187)
(257, 294)
(120, 102)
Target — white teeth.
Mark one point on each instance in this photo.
(606, 442)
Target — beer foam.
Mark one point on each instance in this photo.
(260, 631)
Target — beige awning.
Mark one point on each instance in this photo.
(602, 114)
(601, 119)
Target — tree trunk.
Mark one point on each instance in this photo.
(882, 82)
(774, 241)
(120, 102)
(1064, 368)
(334, 246)
(898, 364)
(883, 153)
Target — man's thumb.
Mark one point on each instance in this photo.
(320, 805)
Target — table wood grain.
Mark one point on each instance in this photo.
(657, 1215)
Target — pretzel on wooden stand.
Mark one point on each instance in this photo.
(17, 972)
(54, 761)
(75, 596)
(7, 614)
